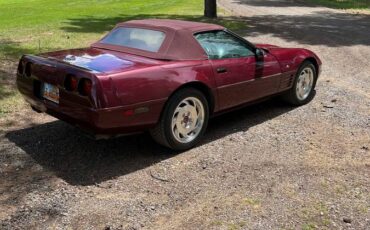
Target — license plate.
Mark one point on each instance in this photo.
(50, 92)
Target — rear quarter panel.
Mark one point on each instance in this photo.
(154, 83)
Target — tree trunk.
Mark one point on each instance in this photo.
(210, 8)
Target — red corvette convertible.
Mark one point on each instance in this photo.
(165, 76)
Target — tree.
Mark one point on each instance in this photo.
(210, 8)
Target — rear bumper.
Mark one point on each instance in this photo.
(100, 123)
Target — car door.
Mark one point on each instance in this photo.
(240, 76)
(229, 74)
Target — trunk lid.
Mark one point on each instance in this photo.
(100, 61)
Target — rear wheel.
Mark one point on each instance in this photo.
(303, 89)
(184, 120)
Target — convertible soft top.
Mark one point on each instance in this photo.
(179, 43)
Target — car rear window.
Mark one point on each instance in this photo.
(143, 39)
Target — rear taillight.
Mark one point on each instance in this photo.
(28, 69)
(20, 68)
(84, 87)
(71, 83)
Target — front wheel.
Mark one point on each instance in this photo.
(184, 120)
(303, 89)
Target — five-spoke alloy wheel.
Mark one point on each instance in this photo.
(183, 121)
(303, 89)
(187, 120)
(304, 83)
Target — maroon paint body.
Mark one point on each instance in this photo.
(130, 91)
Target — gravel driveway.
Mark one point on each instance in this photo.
(268, 166)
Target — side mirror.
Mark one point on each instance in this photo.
(260, 53)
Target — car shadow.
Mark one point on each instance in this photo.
(79, 160)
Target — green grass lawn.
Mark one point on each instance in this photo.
(42, 25)
(344, 4)
(35, 26)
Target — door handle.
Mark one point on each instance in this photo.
(221, 70)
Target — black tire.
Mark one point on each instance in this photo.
(162, 132)
(291, 96)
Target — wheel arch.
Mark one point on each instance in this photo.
(159, 131)
(202, 88)
(314, 62)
